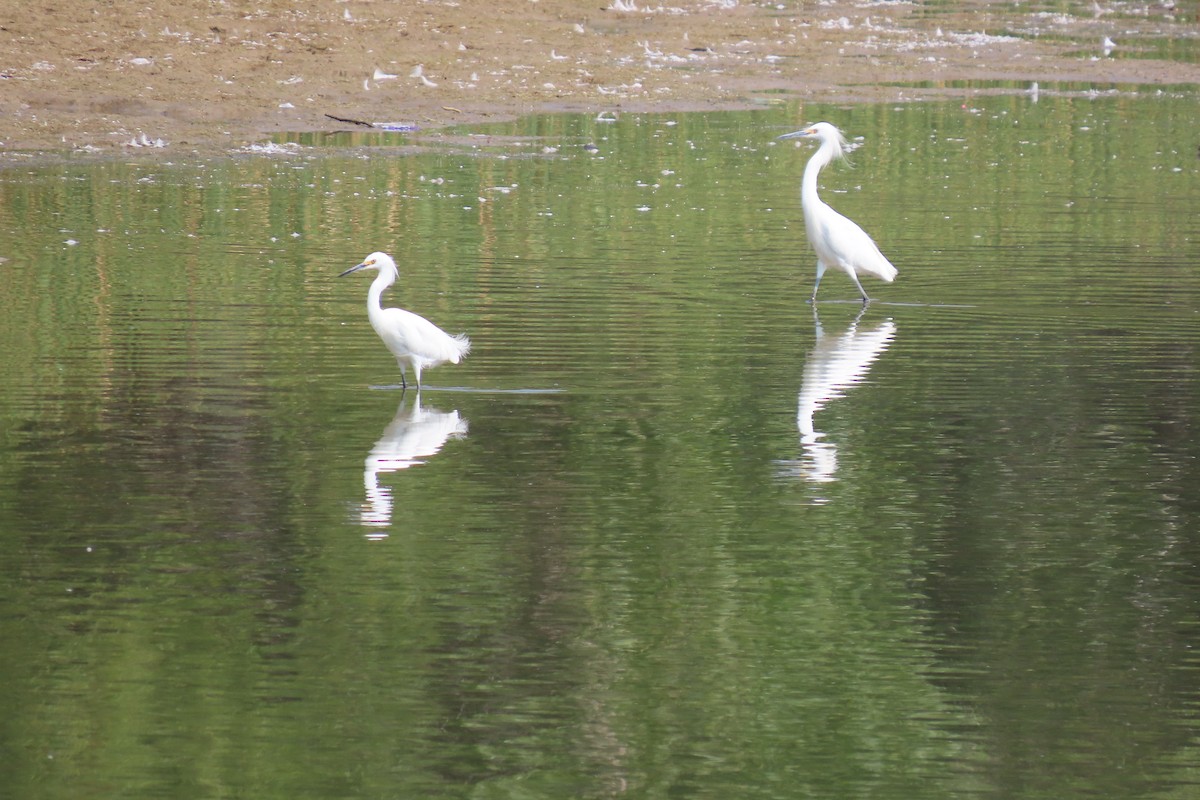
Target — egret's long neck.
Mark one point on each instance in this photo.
(808, 185)
(375, 294)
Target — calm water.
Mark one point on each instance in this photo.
(666, 533)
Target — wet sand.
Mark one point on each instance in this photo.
(103, 78)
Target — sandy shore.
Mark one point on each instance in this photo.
(98, 77)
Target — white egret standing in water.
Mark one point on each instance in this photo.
(837, 240)
(414, 341)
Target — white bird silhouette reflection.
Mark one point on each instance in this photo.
(834, 366)
(411, 437)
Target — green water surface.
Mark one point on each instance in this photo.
(668, 531)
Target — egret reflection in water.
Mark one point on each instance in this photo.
(413, 435)
(835, 365)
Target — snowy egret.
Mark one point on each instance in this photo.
(837, 240)
(414, 341)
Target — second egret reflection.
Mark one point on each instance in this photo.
(414, 435)
(834, 365)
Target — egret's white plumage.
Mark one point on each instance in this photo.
(414, 341)
(837, 240)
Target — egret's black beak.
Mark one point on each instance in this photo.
(795, 134)
(354, 269)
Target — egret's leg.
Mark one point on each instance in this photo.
(417, 370)
(820, 272)
(861, 291)
(403, 379)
